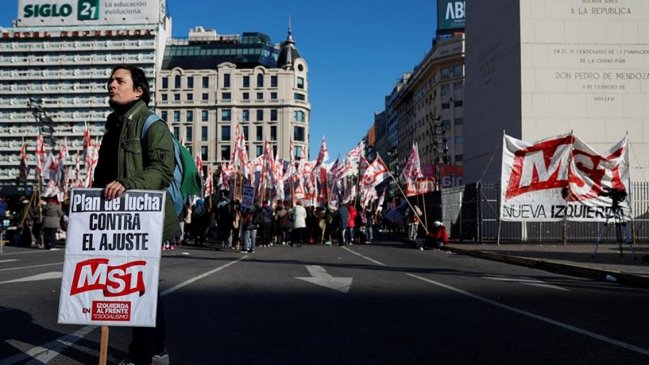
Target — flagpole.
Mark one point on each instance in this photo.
(407, 201)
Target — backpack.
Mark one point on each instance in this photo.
(185, 180)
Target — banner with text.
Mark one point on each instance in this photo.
(112, 259)
(562, 177)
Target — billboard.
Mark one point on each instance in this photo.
(450, 15)
(35, 13)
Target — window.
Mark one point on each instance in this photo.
(459, 121)
(245, 96)
(226, 80)
(189, 134)
(259, 134)
(457, 70)
(300, 82)
(163, 115)
(225, 133)
(205, 96)
(226, 115)
(177, 82)
(246, 81)
(446, 73)
(458, 86)
(165, 82)
(226, 96)
(164, 97)
(458, 103)
(204, 153)
(260, 115)
(190, 82)
(245, 132)
(298, 116)
(205, 115)
(445, 90)
(245, 115)
(176, 97)
(299, 97)
(176, 132)
(206, 81)
(298, 134)
(190, 97)
(273, 81)
(297, 151)
(260, 80)
(459, 140)
(190, 116)
(273, 96)
(273, 115)
(260, 96)
(204, 134)
(273, 133)
(225, 153)
(189, 149)
(259, 150)
(176, 116)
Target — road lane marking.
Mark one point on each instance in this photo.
(363, 256)
(320, 276)
(43, 354)
(527, 281)
(525, 313)
(522, 312)
(30, 267)
(10, 260)
(43, 276)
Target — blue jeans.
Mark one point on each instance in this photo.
(249, 238)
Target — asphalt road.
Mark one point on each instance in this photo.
(384, 303)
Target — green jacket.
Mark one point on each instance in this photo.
(142, 164)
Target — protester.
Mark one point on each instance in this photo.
(266, 224)
(369, 225)
(299, 224)
(128, 160)
(351, 222)
(436, 237)
(52, 214)
(283, 220)
(342, 215)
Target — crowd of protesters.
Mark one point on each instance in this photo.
(228, 224)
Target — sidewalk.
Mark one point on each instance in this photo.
(570, 259)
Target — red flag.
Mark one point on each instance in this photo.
(412, 169)
(375, 173)
(199, 165)
(323, 156)
(40, 154)
(22, 170)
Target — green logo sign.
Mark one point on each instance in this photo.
(450, 14)
(47, 10)
(88, 9)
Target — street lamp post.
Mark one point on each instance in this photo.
(440, 147)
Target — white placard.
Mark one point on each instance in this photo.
(112, 259)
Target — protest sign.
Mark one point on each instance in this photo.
(248, 200)
(112, 259)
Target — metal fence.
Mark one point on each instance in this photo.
(472, 211)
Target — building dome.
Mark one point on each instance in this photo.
(288, 53)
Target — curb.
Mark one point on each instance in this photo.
(558, 267)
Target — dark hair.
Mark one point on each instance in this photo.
(139, 80)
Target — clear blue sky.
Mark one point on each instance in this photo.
(356, 50)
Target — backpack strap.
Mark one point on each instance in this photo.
(147, 124)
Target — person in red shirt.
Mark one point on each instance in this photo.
(351, 221)
(437, 236)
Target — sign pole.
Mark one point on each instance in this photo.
(103, 345)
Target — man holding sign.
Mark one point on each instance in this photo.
(130, 161)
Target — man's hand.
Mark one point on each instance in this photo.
(113, 190)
